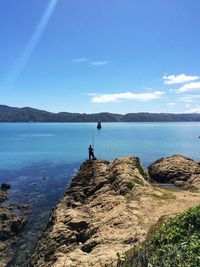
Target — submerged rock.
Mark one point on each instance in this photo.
(107, 208)
(3, 196)
(12, 223)
(177, 169)
(5, 186)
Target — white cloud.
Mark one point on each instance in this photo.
(79, 60)
(94, 63)
(187, 105)
(105, 98)
(99, 63)
(190, 98)
(171, 104)
(195, 86)
(181, 78)
(193, 110)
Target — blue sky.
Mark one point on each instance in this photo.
(98, 55)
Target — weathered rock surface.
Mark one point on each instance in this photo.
(12, 223)
(177, 169)
(3, 196)
(107, 208)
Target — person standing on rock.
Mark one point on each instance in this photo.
(91, 152)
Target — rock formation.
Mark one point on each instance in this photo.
(107, 208)
(12, 222)
(177, 169)
(5, 186)
(3, 196)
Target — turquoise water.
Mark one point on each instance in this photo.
(22, 145)
(39, 159)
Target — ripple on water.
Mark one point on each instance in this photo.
(39, 186)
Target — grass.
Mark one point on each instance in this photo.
(139, 182)
(164, 196)
(168, 189)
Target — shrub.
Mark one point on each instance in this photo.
(175, 244)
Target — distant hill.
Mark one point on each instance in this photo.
(160, 117)
(27, 114)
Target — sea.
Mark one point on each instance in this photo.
(38, 160)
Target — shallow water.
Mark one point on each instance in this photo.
(38, 159)
(39, 186)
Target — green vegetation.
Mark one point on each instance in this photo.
(169, 189)
(175, 244)
(164, 196)
(139, 182)
(140, 169)
(130, 184)
(12, 114)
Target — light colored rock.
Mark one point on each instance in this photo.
(3, 196)
(11, 226)
(108, 208)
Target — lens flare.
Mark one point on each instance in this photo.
(22, 61)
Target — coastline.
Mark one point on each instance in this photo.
(28, 114)
(108, 208)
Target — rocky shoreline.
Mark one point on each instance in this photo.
(13, 219)
(111, 206)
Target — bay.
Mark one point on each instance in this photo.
(22, 144)
(39, 159)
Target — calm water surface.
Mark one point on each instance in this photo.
(38, 159)
(22, 145)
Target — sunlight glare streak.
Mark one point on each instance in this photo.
(31, 45)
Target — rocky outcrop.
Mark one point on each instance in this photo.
(5, 186)
(3, 196)
(177, 169)
(107, 208)
(88, 218)
(13, 219)
(3, 192)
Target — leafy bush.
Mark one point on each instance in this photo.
(176, 244)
